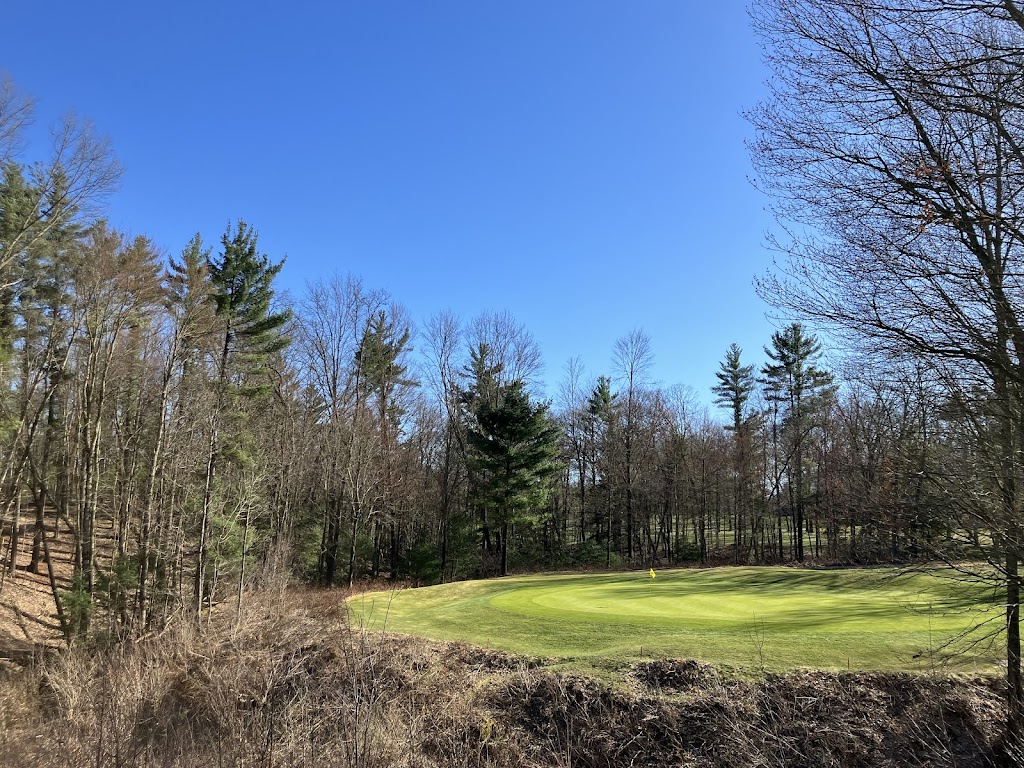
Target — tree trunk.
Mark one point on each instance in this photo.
(504, 549)
(12, 565)
(1014, 684)
(202, 554)
(352, 550)
(332, 536)
(241, 563)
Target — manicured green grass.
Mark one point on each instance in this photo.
(746, 618)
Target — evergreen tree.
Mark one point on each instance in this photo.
(793, 381)
(483, 388)
(19, 227)
(735, 384)
(600, 411)
(384, 380)
(241, 280)
(602, 399)
(514, 445)
(485, 379)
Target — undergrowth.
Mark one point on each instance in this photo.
(292, 684)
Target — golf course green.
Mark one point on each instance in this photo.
(743, 618)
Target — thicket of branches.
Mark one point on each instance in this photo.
(891, 145)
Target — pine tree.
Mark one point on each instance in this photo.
(514, 445)
(383, 379)
(600, 412)
(793, 381)
(241, 280)
(735, 384)
(485, 379)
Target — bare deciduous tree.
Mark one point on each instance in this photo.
(890, 143)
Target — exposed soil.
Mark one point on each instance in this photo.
(27, 610)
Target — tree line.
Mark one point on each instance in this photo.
(194, 437)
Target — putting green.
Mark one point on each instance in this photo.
(775, 618)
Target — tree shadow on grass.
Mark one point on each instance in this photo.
(817, 597)
(790, 582)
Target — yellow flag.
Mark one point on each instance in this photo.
(652, 573)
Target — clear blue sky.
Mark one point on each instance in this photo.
(578, 162)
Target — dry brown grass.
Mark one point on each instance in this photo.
(291, 684)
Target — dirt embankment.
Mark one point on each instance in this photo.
(291, 685)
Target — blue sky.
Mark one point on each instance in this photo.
(579, 163)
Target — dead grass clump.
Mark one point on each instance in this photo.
(674, 674)
(797, 720)
(585, 722)
(277, 687)
(487, 659)
(21, 709)
(855, 720)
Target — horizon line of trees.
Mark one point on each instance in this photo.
(193, 438)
